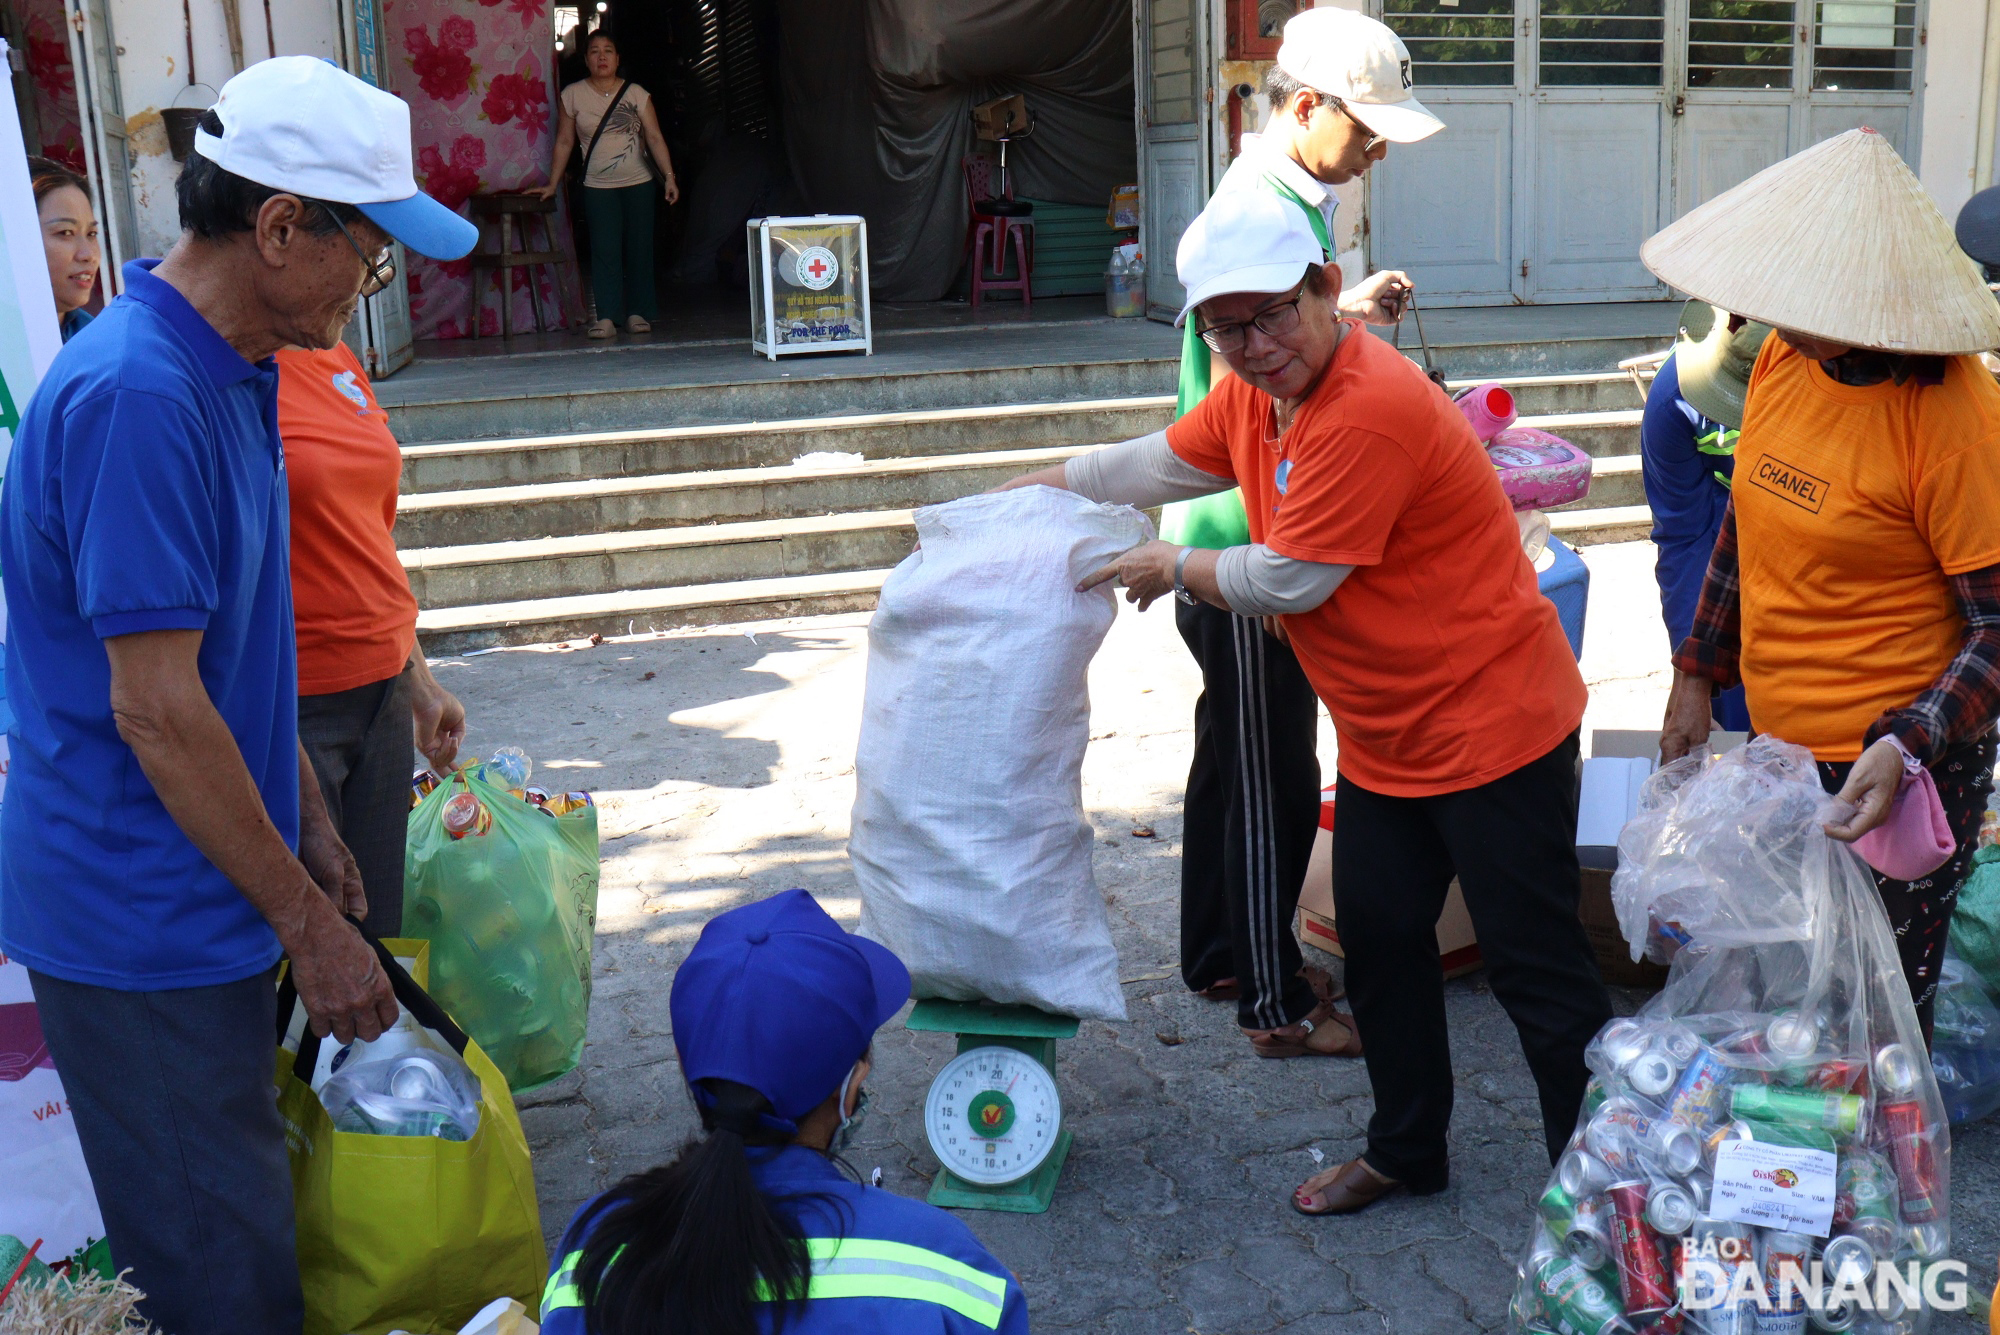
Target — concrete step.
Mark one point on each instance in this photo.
(589, 563)
(543, 620)
(668, 500)
(582, 564)
(1586, 528)
(572, 458)
(1596, 406)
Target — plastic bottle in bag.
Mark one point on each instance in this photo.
(1125, 282)
(402, 1085)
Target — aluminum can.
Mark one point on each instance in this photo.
(578, 799)
(1621, 1042)
(1911, 1152)
(1642, 1278)
(1792, 1037)
(1864, 1202)
(1782, 1251)
(1652, 1072)
(535, 797)
(1928, 1241)
(1836, 1317)
(1675, 1148)
(1574, 1300)
(1839, 1113)
(1669, 1209)
(1589, 1241)
(1594, 1095)
(1839, 1076)
(1698, 1186)
(1615, 1134)
(1713, 1251)
(1848, 1254)
(1582, 1173)
(1728, 1131)
(1896, 1070)
(1558, 1207)
(465, 815)
(1681, 1044)
(1700, 1096)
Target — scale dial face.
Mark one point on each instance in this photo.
(993, 1115)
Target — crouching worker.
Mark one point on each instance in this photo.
(752, 1228)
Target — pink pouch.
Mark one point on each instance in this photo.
(1916, 839)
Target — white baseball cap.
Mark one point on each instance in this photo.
(1245, 241)
(306, 126)
(1358, 60)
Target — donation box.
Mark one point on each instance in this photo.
(809, 285)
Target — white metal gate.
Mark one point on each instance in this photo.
(1576, 128)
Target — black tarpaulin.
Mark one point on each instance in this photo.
(878, 98)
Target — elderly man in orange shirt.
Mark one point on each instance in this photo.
(1381, 540)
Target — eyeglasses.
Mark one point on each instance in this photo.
(1373, 141)
(381, 265)
(1273, 320)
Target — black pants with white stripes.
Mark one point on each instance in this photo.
(1251, 813)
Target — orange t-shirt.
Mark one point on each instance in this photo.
(1441, 663)
(351, 602)
(1853, 504)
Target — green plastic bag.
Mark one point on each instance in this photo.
(510, 913)
(1975, 923)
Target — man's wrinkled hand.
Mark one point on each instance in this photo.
(1380, 298)
(1690, 717)
(345, 992)
(332, 867)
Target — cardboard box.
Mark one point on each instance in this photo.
(1458, 948)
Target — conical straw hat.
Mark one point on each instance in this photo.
(1840, 242)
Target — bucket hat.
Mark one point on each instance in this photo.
(1840, 242)
(1714, 364)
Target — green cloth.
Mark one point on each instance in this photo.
(1975, 922)
(621, 250)
(1218, 521)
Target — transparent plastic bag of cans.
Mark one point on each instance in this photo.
(508, 902)
(1785, 1021)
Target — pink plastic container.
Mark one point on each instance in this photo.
(1489, 408)
(1537, 470)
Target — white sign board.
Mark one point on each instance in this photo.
(45, 1190)
(1774, 1186)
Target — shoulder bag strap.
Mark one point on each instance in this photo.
(583, 172)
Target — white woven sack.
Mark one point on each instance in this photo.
(969, 838)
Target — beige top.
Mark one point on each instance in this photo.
(620, 159)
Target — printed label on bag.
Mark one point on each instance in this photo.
(1774, 1186)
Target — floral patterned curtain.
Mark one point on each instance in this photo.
(480, 84)
(53, 79)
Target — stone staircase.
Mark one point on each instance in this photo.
(537, 538)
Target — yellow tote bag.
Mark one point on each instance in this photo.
(407, 1232)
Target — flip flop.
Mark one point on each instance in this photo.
(1295, 1040)
(1222, 989)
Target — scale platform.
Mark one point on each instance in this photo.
(980, 1024)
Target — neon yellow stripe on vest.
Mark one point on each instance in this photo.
(871, 1268)
(561, 1289)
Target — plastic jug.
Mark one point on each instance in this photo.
(1490, 409)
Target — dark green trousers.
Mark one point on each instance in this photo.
(621, 250)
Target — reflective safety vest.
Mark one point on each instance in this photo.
(850, 1268)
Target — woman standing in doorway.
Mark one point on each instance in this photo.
(613, 118)
(69, 236)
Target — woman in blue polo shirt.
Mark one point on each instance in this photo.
(752, 1228)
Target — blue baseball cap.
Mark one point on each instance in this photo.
(776, 996)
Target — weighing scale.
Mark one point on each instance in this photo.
(993, 1115)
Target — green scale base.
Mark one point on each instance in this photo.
(981, 1024)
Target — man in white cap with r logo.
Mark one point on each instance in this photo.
(1340, 95)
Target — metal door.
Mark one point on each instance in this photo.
(380, 332)
(108, 158)
(1596, 147)
(1172, 40)
(1445, 208)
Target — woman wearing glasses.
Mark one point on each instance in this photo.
(1379, 536)
(366, 695)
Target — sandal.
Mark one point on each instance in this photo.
(1222, 989)
(1322, 984)
(600, 329)
(1343, 1190)
(1296, 1040)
